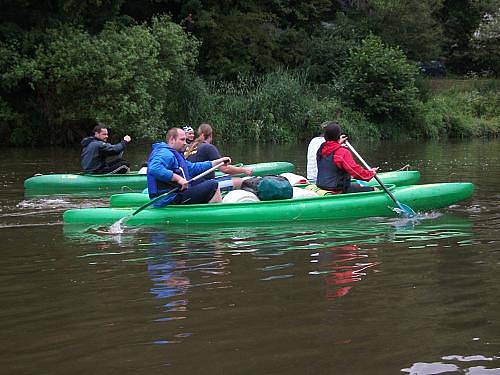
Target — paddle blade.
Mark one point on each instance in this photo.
(117, 228)
(405, 210)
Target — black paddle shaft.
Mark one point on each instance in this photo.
(376, 177)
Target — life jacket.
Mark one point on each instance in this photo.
(157, 187)
(331, 177)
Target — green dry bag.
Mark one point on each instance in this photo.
(269, 188)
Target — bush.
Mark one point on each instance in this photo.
(379, 81)
(329, 49)
(276, 107)
(272, 107)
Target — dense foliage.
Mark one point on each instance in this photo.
(262, 70)
(379, 80)
(119, 77)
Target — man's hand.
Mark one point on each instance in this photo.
(247, 171)
(225, 159)
(343, 138)
(127, 138)
(181, 181)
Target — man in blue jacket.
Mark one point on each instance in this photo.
(96, 150)
(168, 169)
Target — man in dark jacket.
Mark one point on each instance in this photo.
(96, 150)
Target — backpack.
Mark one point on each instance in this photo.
(268, 188)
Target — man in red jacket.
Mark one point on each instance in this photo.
(336, 165)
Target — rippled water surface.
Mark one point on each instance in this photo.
(371, 296)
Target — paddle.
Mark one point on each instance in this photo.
(116, 227)
(175, 189)
(403, 207)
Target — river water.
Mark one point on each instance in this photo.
(371, 296)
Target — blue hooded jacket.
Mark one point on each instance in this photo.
(163, 162)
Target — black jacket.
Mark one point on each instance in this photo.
(95, 152)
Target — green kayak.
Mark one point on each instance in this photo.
(112, 183)
(399, 178)
(342, 206)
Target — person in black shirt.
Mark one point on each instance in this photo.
(202, 149)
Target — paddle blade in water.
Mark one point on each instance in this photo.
(405, 210)
(117, 228)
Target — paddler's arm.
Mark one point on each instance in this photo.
(180, 180)
(109, 149)
(232, 169)
(343, 159)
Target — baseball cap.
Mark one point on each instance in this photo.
(187, 128)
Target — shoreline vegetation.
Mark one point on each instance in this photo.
(259, 75)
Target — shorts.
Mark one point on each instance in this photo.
(225, 183)
(358, 188)
(353, 188)
(198, 192)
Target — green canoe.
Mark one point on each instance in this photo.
(399, 178)
(341, 206)
(112, 183)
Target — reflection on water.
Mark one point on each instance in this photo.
(278, 239)
(341, 253)
(456, 364)
(341, 267)
(184, 261)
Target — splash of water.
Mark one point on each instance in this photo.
(42, 203)
(117, 227)
(408, 222)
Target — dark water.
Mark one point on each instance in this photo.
(371, 296)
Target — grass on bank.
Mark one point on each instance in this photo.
(460, 108)
(283, 107)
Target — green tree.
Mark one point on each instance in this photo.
(410, 24)
(33, 15)
(236, 43)
(328, 49)
(460, 19)
(379, 81)
(300, 15)
(119, 76)
(486, 44)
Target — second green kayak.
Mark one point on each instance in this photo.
(91, 184)
(399, 178)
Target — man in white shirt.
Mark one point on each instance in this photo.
(312, 150)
